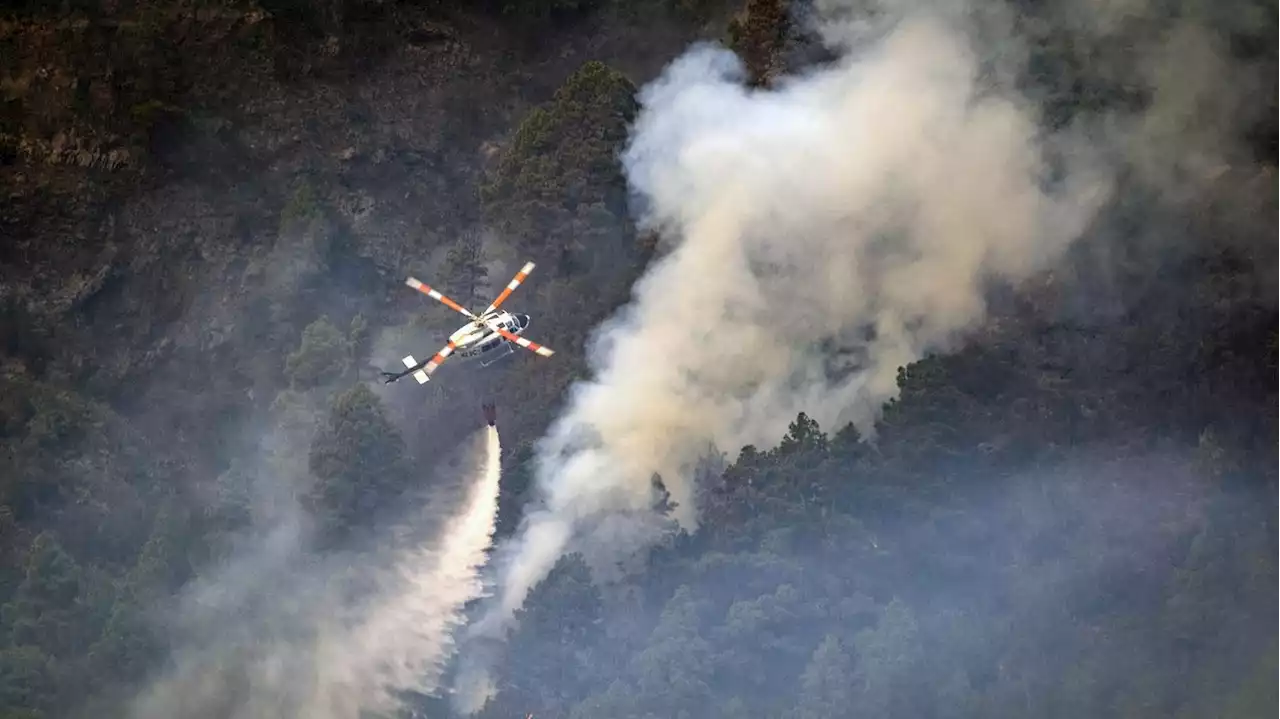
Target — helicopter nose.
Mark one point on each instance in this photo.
(524, 320)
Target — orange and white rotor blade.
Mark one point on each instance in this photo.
(436, 295)
(527, 344)
(511, 286)
(425, 370)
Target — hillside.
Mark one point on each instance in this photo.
(210, 208)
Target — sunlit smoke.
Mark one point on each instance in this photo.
(408, 638)
(312, 648)
(822, 235)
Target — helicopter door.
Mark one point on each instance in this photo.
(493, 355)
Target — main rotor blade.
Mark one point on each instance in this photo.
(527, 344)
(511, 286)
(432, 364)
(436, 295)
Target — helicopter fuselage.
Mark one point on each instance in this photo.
(478, 341)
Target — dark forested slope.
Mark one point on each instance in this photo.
(209, 208)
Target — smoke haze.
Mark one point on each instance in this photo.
(408, 637)
(820, 235)
(292, 633)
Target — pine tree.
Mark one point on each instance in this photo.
(466, 272)
(358, 461)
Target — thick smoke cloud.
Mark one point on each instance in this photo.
(283, 631)
(823, 234)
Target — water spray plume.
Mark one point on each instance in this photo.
(822, 235)
(317, 654)
(408, 638)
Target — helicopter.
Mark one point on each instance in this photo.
(488, 337)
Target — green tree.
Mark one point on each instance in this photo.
(847, 444)
(803, 435)
(130, 643)
(465, 268)
(674, 670)
(163, 564)
(357, 341)
(358, 459)
(825, 685)
(886, 656)
(618, 700)
(44, 612)
(761, 633)
(323, 356)
(564, 156)
(303, 205)
(560, 618)
(517, 475)
(27, 682)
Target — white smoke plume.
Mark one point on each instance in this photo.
(862, 208)
(319, 654)
(827, 231)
